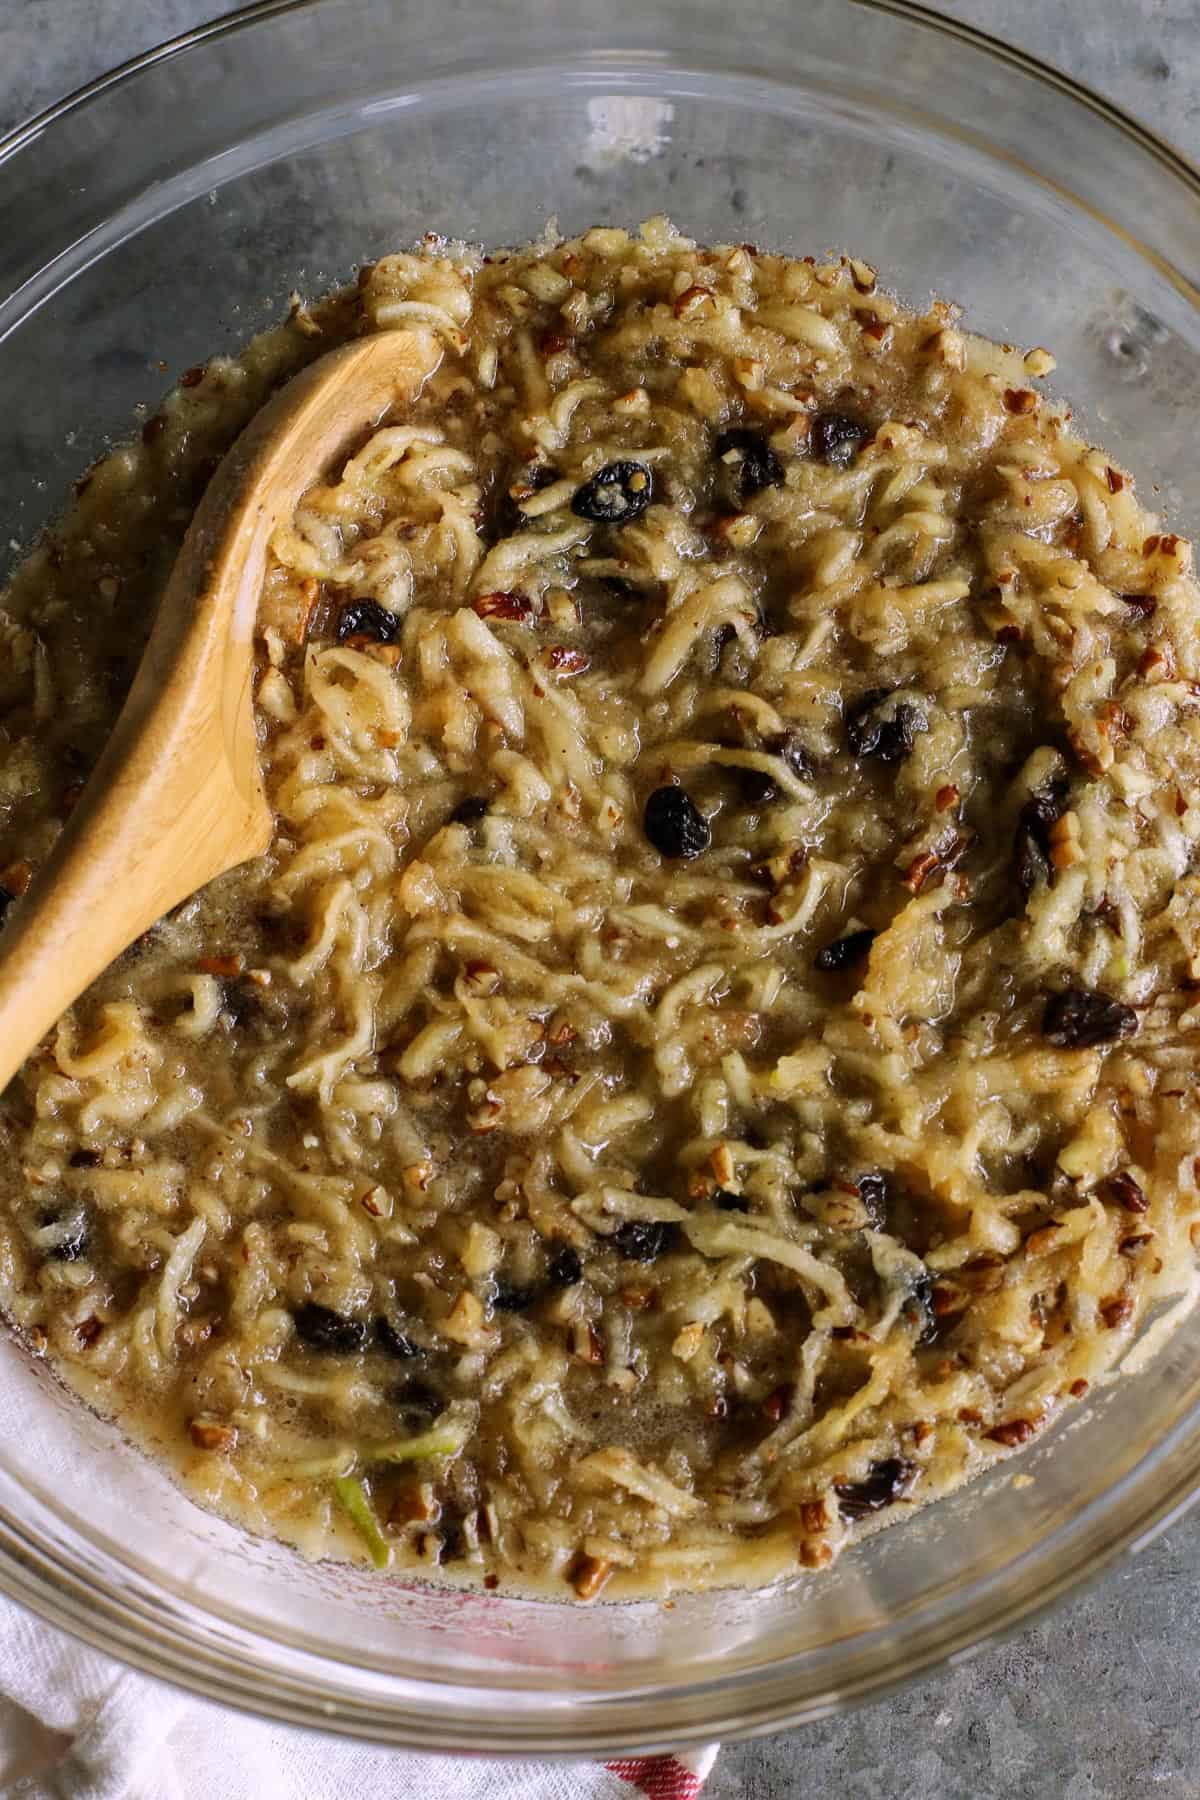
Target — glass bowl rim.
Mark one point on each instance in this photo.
(182, 1648)
(912, 11)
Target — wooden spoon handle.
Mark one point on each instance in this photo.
(176, 797)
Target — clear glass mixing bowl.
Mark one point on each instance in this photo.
(166, 213)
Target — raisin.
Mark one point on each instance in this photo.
(416, 1401)
(6, 899)
(454, 1538)
(469, 811)
(76, 1239)
(323, 1329)
(1033, 864)
(844, 952)
(873, 1192)
(836, 438)
(564, 1267)
(729, 1202)
(1079, 1019)
(874, 729)
(794, 755)
(1046, 807)
(620, 492)
(644, 1240)
(920, 1308)
(888, 1481)
(392, 1341)
(366, 618)
(537, 476)
(675, 825)
(1031, 847)
(750, 461)
(84, 1159)
(242, 1004)
(755, 787)
(1142, 606)
(511, 1296)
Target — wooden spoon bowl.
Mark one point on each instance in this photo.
(177, 795)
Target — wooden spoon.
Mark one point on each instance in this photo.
(177, 796)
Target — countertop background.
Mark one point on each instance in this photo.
(1098, 1702)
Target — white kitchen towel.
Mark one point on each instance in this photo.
(76, 1726)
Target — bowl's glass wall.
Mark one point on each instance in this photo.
(170, 216)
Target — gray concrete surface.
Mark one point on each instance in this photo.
(1099, 1701)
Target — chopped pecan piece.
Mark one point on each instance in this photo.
(211, 1434)
(936, 862)
(565, 661)
(777, 1403)
(1122, 1190)
(227, 966)
(195, 1331)
(415, 1505)
(503, 606)
(481, 978)
(638, 1299)
(585, 1343)
(1012, 1433)
(588, 1574)
(919, 870)
(694, 303)
(1042, 1241)
(945, 1300)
